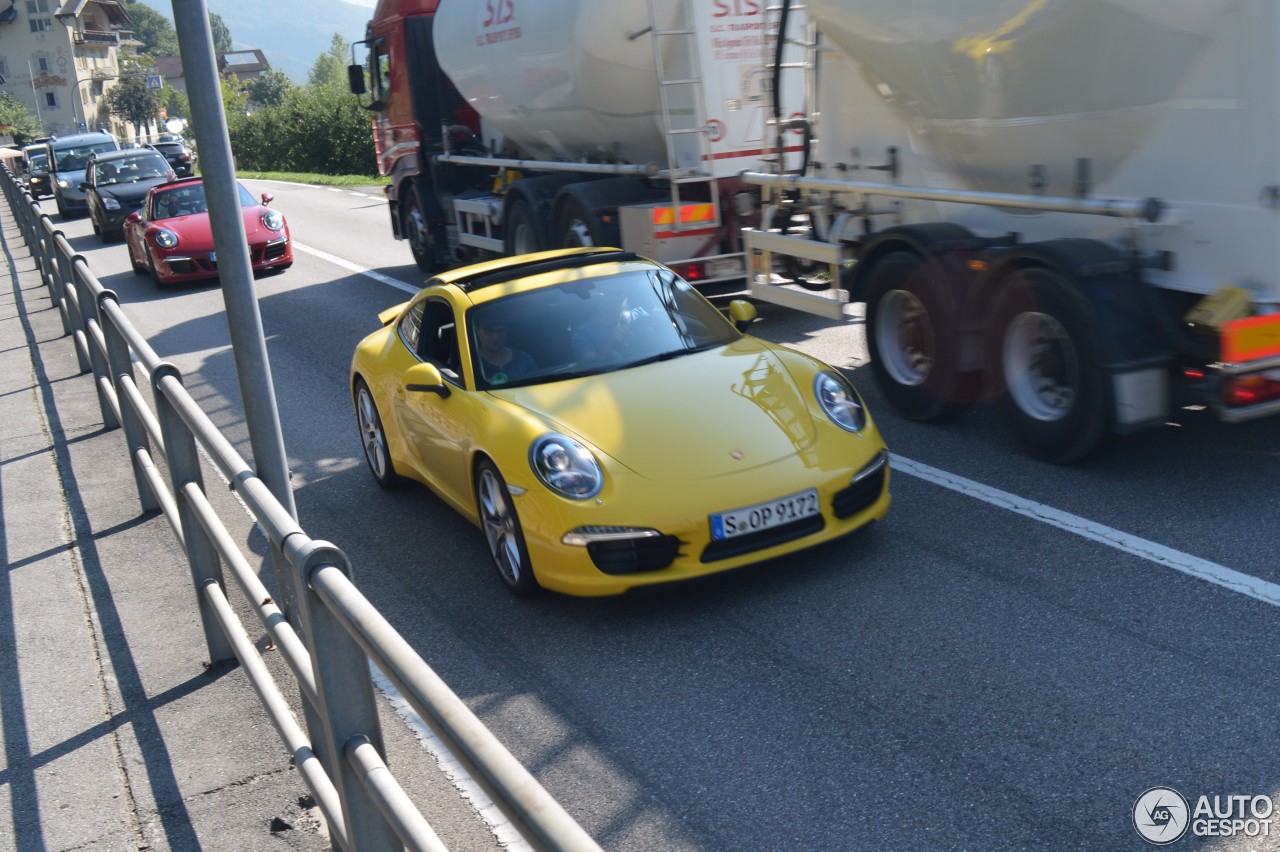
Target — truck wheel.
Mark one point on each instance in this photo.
(520, 229)
(913, 340)
(578, 227)
(414, 227)
(1045, 352)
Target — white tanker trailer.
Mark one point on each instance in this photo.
(1071, 206)
(513, 126)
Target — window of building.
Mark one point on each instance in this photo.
(51, 99)
(37, 7)
(43, 64)
(41, 25)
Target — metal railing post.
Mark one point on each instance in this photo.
(346, 696)
(69, 297)
(91, 316)
(54, 277)
(135, 431)
(184, 467)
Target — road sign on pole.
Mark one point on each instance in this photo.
(155, 81)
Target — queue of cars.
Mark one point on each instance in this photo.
(148, 196)
(521, 392)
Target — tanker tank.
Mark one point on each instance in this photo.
(989, 87)
(566, 83)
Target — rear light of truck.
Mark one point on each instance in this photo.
(1251, 389)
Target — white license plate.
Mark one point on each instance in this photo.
(763, 516)
(727, 267)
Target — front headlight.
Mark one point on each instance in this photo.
(273, 219)
(566, 467)
(109, 203)
(840, 402)
(64, 183)
(166, 239)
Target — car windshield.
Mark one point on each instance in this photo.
(74, 159)
(38, 162)
(188, 199)
(592, 326)
(131, 169)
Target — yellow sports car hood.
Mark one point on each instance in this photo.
(697, 416)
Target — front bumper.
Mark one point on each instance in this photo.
(850, 497)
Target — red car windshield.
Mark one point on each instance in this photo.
(188, 199)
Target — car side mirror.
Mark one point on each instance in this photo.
(425, 378)
(742, 313)
(267, 198)
(135, 216)
(84, 185)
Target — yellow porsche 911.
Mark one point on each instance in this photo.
(607, 427)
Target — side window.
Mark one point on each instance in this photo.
(439, 340)
(411, 325)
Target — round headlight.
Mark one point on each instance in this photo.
(840, 402)
(273, 219)
(166, 239)
(566, 467)
(64, 183)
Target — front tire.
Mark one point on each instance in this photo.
(913, 340)
(1047, 355)
(502, 531)
(415, 228)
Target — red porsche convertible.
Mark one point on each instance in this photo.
(171, 236)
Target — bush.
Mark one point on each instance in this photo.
(317, 129)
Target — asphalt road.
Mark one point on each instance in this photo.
(1007, 661)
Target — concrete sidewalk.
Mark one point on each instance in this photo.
(116, 734)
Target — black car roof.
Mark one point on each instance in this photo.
(123, 154)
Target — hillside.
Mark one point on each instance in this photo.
(292, 33)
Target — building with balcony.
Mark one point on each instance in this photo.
(61, 57)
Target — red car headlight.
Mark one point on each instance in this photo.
(165, 239)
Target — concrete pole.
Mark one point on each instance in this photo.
(191, 20)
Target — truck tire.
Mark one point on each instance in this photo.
(1046, 355)
(520, 229)
(417, 231)
(578, 227)
(912, 339)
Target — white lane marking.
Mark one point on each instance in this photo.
(1193, 566)
(508, 836)
(360, 270)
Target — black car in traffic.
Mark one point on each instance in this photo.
(175, 150)
(116, 184)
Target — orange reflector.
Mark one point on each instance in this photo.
(976, 265)
(1250, 338)
(688, 213)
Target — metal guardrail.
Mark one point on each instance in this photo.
(340, 755)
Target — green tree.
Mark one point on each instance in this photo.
(317, 129)
(330, 69)
(152, 29)
(130, 100)
(271, 88)
(221, 35)
(15, 114)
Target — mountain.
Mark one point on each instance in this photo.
(292, 33)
